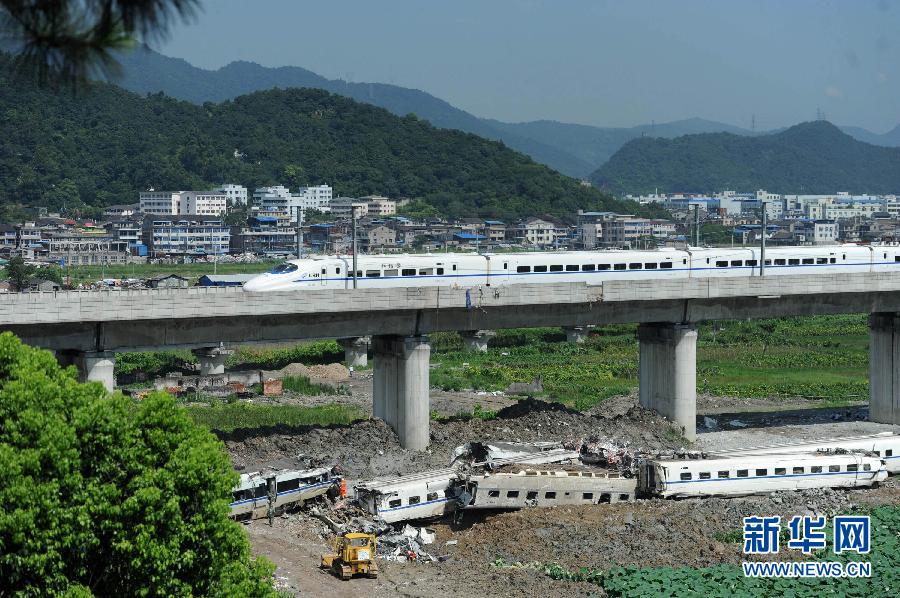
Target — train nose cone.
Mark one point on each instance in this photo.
(255, 284)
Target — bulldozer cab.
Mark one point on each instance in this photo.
(356, 547)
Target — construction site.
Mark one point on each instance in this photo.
(509, 501)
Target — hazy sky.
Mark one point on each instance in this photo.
(585, 61)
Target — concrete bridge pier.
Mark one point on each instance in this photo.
(356, 351)
(668, 373)
(476, 341)
(212, 360)
(401, 387)
(93, 366)
(884, 367)
(575, 334)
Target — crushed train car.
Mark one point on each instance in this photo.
(547, 488)
(278, 489)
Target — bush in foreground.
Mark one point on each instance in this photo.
(104, 496)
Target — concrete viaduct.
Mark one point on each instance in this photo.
(89, 328)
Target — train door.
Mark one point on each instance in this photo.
(452, 273)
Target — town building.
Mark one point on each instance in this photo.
(183, 203)
(187, 236)
(121, 210)
(236, 195)
(343, 207)
(379, 206)
(263, 236)
(534, 231)
(379, 237)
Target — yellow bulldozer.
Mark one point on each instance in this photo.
(354, 554)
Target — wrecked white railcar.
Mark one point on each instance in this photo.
(757, 474)
(259, 490)
(547, 488)
(417, 496)
(884, 444)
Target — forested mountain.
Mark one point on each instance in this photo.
(105, 144)
(812, 157)
(575, 150)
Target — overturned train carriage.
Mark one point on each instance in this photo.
(279, 489)
(417, 496)
(547, 488)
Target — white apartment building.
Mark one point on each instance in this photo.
(535, 231)
(342, 207)
(183, 203)
(380, 206)
(590, 234)
(235, 194)
(280, 199)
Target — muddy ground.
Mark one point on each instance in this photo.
(644, 533)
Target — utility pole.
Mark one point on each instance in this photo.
(762, 240)
(299, 232)
(697, 223)
(353, 213)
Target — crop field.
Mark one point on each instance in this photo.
(193, 271)
(823, 358)
(227, 417)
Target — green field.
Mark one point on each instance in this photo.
(824, 358)
(193, 271)
(227, 417)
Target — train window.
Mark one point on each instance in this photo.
(359, 273)
(414, 500)
(737, 262)
(284, 269)
(794, 262)
(550, 495)
(494, 493)
(571, 267)
(769, 262)
(540, 268)
(431, 496)
(426, 271)
(809, 260)
(650, 266)
(624, 497)
(523, 268)
(391, 272)
(780, 262)
(897, 258)
(853, 467)
(780, 471)
(821, 260)
(722, 264)
(588, 267)
(844, 257)
(288, 485)
(686, 476)
(603, 266)
(619, 267)
(751, 263)
(337, 270)
(635, 266)
(512, 494)
(439, 271)
(834, 261)
(888, 452)
(532, 495)
(815, 469)
(885, 256)
(260, 491)
(556, 268)
(684, 261)
(834, 468)
(408, 272)
(798, 470)
(373, 273)
(666, 265)
(724, 474)
(705, 475)
(587, 496)
(742, 473)
(762, 472)
(867, 467)
(394, 503)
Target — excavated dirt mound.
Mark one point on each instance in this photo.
(333, 372)
(369, 448)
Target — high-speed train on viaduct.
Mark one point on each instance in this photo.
(473, 269)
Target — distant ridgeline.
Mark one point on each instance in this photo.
(812, 157)
(103, 145)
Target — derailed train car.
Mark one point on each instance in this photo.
(547, 488)
(757, 474)
(418, 496)
(259, 491)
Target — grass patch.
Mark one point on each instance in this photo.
(227, 417)
(317, 352)
(303, 385)
(190, 271)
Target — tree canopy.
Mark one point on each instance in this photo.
(105, 145)
(104, 496)
(813, 157)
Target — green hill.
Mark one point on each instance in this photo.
(104, 145)
(812, 157)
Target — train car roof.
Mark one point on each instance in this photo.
(754, 461)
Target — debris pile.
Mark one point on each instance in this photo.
(596, 451)
(406, 545)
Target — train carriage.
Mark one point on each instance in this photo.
(757, 474)
(593, 267)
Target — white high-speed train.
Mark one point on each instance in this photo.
(454, 269)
